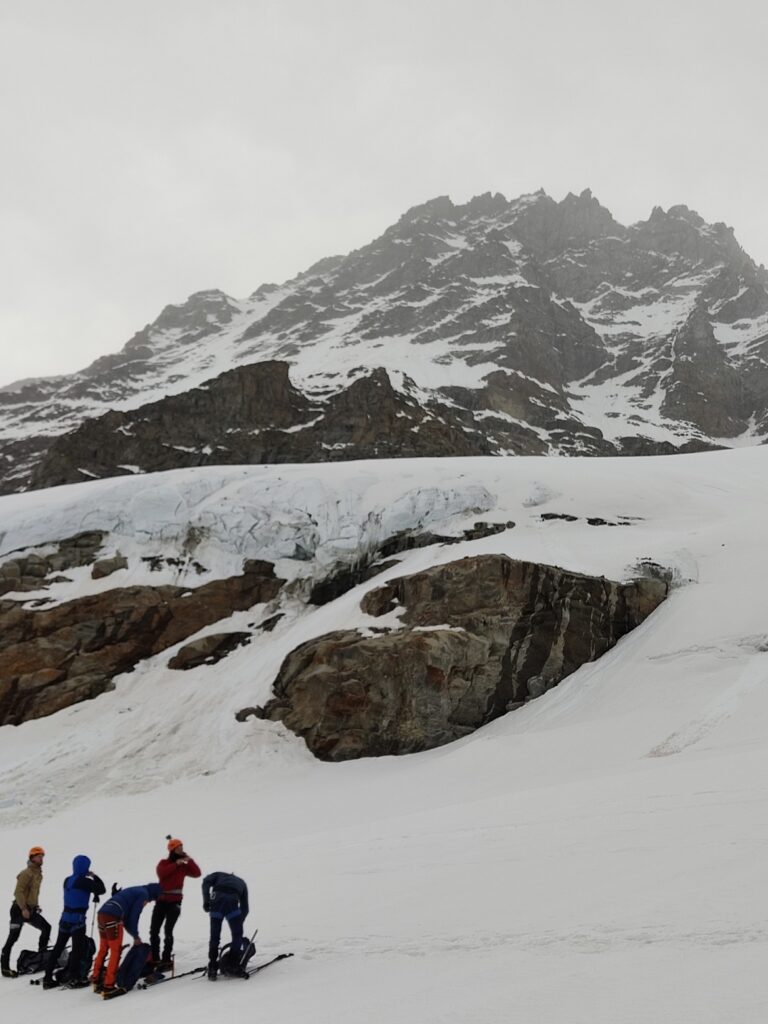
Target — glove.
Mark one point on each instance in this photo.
(115, 888)
(97, 899)
(206, 905)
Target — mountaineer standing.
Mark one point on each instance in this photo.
(25, 909)
(78, 889)
(171, 871)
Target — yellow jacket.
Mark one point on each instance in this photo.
(28, 882)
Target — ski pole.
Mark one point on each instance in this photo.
(93, 920)
(245, 951)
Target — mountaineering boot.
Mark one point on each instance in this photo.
(8, 973)
(50, 983)
(213, 972)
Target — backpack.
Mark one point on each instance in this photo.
(33, 962)
(230, 964)
(76, 970)
(130, 969)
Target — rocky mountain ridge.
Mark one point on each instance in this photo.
(494, 327)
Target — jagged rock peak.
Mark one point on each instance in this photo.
(487, 204)
(587, 216)
(677, 212)
(200, 313)
(439, 207)
(268, 288)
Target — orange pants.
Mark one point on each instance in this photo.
(110, 941)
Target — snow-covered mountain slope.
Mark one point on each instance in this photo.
(591, 857)
(548, 327)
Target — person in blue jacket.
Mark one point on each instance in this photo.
(121, 911)
(78, 889)
(225, 898)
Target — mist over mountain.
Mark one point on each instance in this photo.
(496, 327)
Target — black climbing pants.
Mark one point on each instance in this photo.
(79, 947)
(164, 915)
(18, 920)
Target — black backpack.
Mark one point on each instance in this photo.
(32, 962)
(130, 969)
(230, 964)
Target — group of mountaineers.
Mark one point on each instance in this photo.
(225, 897)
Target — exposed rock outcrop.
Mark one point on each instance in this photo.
(252, 415)
(52, 658)
(106, 566)
(699, 369)
(338, 581)
(479, 636)
(208, 650)
(31, 571)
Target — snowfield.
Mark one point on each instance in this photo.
(597, 857)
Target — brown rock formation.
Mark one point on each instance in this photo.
(482, 636)
(208, 650)
(52, 658)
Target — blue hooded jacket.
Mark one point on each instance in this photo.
(78, 889)
(129, 903)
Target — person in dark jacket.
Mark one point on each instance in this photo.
(78, 889)
(25, 909)
(225, 898)
(171, 872)
(121, 911)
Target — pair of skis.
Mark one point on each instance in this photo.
(155, 979)
(149, 983)
(274, 960)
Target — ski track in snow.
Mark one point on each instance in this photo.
(754, 676)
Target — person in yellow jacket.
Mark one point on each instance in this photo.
(25, 909)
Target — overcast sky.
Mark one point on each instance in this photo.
(153, 148)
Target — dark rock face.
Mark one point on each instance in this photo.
(345, 577)
(254, 415)
(481, 636)
(53, 658)
(699, 370)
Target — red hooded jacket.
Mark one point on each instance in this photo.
(171, 874)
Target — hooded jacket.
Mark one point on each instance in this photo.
(78, 889)
(128, 904)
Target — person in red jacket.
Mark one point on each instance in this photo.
(171, 873)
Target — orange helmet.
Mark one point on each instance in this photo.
(36, 851)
